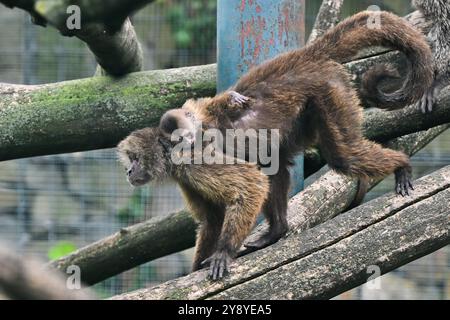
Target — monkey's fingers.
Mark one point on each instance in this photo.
(218, 265)
(403, 183)
(215, 269)
(237, 98)
(427, 101)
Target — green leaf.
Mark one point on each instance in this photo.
(61, 249)
(183, 38)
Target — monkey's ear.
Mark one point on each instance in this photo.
(178, 124)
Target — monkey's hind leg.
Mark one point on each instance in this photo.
(347, 151)
(275, 211)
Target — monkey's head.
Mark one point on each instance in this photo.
(178, 125)
(145, 155)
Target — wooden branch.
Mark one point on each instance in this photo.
(110, 14)
(333, 257)
(25, 278)
(324, 199)
(92, 113)
(117, 52)
(131, 246)
(327, 18)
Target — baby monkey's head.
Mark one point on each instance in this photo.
(145, 154)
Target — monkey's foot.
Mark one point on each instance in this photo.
(266, 240)
(238, 99)
(403, 183)
(218, 264)
(427, 101)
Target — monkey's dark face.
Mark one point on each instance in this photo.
(143, 156)
(136, 174)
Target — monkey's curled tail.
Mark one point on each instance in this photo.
(371, 28)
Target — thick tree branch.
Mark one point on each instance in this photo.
(326, 198)
(92, 113)
(327, 18)
(117, 52)
(131, 246)
(334, 256)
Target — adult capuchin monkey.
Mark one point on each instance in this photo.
(308, 96)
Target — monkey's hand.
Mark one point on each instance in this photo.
(403, 184)
(237, 99)
(218, 264)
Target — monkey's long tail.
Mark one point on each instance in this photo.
(370, 28)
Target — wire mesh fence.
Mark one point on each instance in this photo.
(51, 205)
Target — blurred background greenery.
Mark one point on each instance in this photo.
(52, 205)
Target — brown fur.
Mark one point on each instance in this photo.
(307, 94)
(225, 199)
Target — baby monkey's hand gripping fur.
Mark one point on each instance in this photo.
(225, 199)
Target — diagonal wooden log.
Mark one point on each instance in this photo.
(326, 198)
(334, 256)
(131, 246)
(118, 52)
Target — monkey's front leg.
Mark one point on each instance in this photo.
(207, 237)
(238, 222)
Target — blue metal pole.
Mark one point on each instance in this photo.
(252, 31)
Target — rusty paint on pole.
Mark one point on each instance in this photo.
(252, 31)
